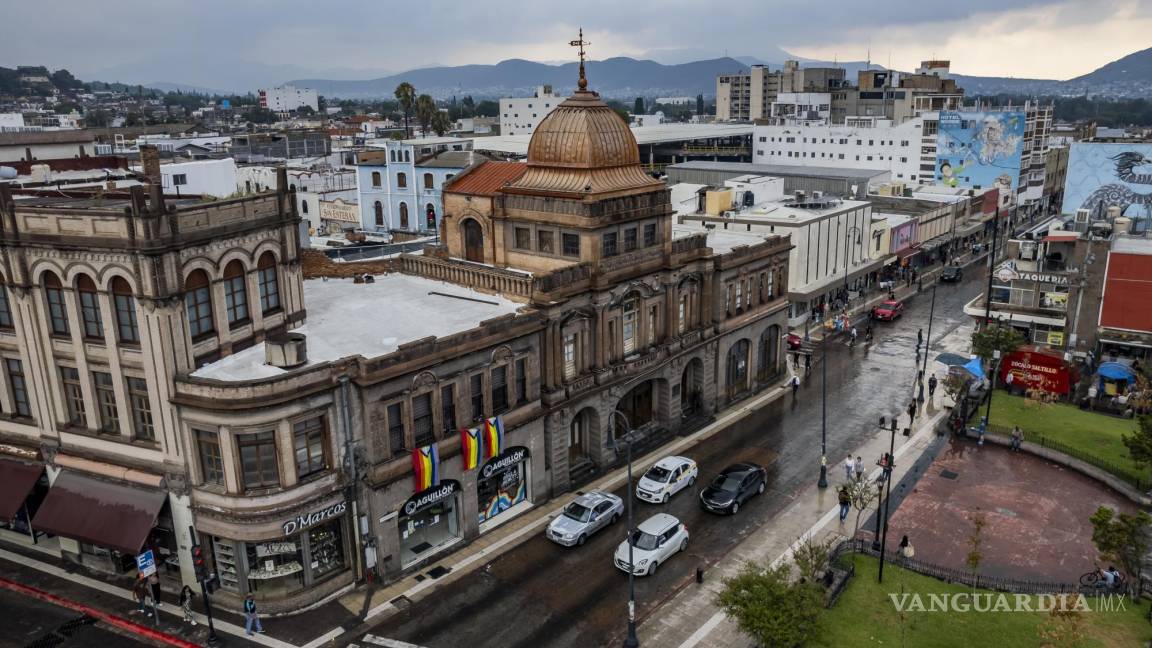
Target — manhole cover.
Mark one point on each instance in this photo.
(948, 474)
(438, 571)
(401, 602)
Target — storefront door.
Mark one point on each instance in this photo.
(429, 521)
(503, 482)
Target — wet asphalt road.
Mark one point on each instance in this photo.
(31, 622)
(541, 594)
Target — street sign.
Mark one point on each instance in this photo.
(146, 563)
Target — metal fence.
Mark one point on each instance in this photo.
(363, 252)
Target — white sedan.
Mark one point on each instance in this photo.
(656, 540)
(667, 477)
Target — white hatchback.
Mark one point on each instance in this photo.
(656, 540)
(667, 477)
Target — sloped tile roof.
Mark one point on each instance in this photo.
(487, 179)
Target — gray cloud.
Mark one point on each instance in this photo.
(219, 43)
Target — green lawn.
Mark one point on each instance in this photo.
(1089, 432)
(866, 616)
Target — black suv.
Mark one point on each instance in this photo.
(951, 274)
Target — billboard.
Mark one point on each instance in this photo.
(980, 149)
(1102, 175)
(1031, 368)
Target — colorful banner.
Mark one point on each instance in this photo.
(493, 437)
(470, 447)
(426, 467)
(980, 149)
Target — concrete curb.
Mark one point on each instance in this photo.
(1072, 463)
(110, 619)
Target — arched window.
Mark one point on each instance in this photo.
(198, 304)
(57, 311)
(402, 180)
(235, 293)
(392, 155)
(125, 304)
(631, 321)
(292, 186)
(429, 183)
(269, 283)
(376, 177)
(378, 210)
(407, 156)
(89, 308)
(430, 214)
(303, 207)
(737, 370)
(403, 214)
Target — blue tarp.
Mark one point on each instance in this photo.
(1116, 371)
(974, 367)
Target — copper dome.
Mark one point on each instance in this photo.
(583, 147)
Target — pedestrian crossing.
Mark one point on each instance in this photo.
(373, 640)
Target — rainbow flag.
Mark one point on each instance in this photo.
(470, 447)
(493, 437)
(426, 466)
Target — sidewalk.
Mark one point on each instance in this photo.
(322, 624)
(691, 617)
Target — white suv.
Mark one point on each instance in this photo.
(667, 477)
(653, 542)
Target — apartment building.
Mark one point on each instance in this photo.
(288, 97)
(521, 115)
(748, 96)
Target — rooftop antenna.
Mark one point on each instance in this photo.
(580, 42)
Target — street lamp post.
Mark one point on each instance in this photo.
(991, 391)
(630, 641)
(823, 481)
(881, 540)
(927, 342)
(991, 268)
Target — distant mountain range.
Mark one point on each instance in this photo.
(626, 78)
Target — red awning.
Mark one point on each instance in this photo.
(908, 252)
(100, 513)
(16, 481)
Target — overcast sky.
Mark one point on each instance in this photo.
(218, 43)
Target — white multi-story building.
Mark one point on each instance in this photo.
(521, 115)
(288, 97)
(400, 186)
(907, 150)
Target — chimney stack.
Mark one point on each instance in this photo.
(150, 161)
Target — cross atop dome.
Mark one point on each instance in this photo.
(582, 84)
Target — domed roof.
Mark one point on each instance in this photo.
(583, 147)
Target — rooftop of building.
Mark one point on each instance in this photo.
(31, 138)
(370, 320)
(486, 179)
(1132, 245)
(721, 241)
(450, 160)
(783, 170)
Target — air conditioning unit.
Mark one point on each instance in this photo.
(800, 196)
(1083, 216)
(817, 196)
(286, 351)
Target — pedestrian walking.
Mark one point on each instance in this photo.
(1017, 437)
(140, 593)
(849, 468)
(883, 464)
(251, 617)
(845, 503)
(186, 596)
(807, 363)
(919, 339)
(858, 468)
(932, 386)
(911, 411)
(907, 551)
(795, 382)
(154, 585)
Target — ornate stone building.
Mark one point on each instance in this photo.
(156, 354)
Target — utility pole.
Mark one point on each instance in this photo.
(928, 341)
(991, 269)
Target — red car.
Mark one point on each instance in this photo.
(794, 342)
(888, 311)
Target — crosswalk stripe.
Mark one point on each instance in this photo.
(387, 643)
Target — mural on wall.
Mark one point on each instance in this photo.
(1102, 175)
(980, 149)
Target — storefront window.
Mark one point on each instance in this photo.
(503, 482)
(429, 520)
(326, 546)
(275, 568)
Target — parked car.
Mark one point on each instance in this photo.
(653, 542)
(734, 485)
(951, 274)
(794, 342)
(888, 310)
(667, 477)
(588, 514)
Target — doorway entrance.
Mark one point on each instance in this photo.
(473, 241)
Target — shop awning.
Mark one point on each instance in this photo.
(908, 253)
(16, 481)
(100, 513)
